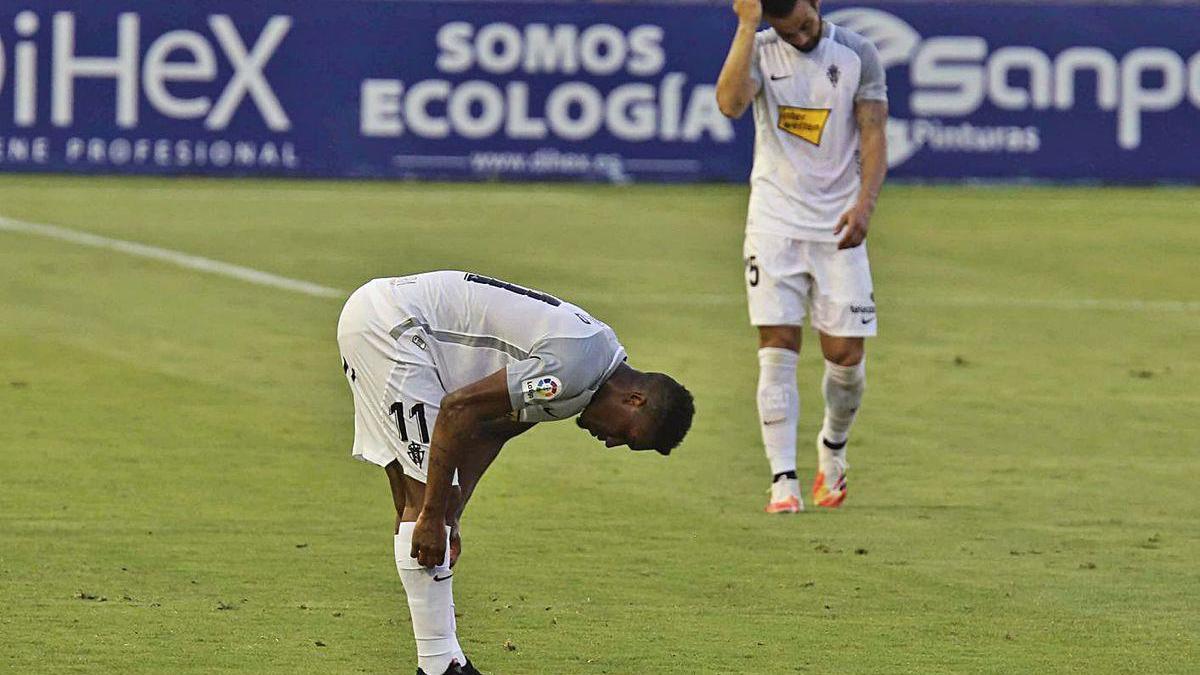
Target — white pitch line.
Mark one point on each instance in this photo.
(261, 278)
(176, 258)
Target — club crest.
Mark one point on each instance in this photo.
(416, 453)
(834, 74)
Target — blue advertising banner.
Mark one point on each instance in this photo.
(1068, 91)
(615, 92)
(363, 88)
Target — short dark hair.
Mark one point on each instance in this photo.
(671, 407)
(781, 8)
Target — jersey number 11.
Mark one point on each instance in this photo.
(418, 412)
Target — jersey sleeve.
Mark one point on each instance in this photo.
(872, 85)
(561, 375)
(756, 66)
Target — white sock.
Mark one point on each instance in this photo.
(843, 386)
(431, 604)
(778, 406)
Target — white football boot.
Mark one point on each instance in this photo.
(785, 497)
(829, 488)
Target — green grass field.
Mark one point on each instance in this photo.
(177, 495)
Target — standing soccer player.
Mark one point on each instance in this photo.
(820, 108)
(445, 367)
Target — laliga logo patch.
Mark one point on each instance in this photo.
(542, 388)
(805, 123)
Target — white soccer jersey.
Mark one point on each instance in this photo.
(806, 171)
(556, 354)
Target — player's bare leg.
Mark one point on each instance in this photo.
(843, 386)
(430, 592)
(779, 412)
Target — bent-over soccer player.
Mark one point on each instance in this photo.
(445, 367)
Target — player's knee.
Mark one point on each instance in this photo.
(779, 337)
(779, 343)
(849, 358)
(846, 353)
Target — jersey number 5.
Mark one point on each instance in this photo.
(752, 270)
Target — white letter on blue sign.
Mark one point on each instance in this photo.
(416, 108)
(157, 71)
(454, 47)
(938, 64)
(1071, 61)
(247, 72)
(1135, 99)
(520, 125)
(379, 109)
(25, 77)
(68, 66)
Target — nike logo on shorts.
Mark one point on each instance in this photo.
(437, 578)
(867, 321)
(779, 77)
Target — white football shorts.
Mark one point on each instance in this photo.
(395, 384)
(788, 278)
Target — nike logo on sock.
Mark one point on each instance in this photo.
(833, 446)
(437, 578)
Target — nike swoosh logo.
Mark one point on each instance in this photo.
(867, 321)
(779, 77)
(437, 578)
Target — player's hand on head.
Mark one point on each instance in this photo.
(852, 227)
(429, 541)
(749, 12)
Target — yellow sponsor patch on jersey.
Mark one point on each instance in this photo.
(806, 123)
